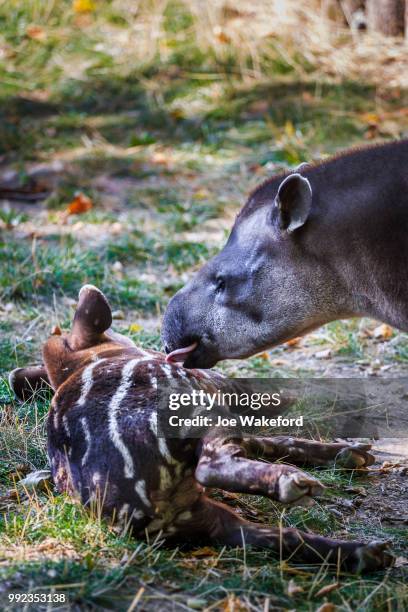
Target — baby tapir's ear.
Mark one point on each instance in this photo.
(293, 202)
(93, 317)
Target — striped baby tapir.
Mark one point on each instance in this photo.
(104, 449)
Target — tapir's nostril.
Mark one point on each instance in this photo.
(166, 349)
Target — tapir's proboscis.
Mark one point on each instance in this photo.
(104, 450)
(328, 241)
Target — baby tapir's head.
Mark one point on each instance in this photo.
(90, 335)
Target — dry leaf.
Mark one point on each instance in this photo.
(327, 607)
(327, 589)
(36, 32)
(264, 356)
(80, 204)
(83, 6)
(159, 158)
(370, 118)
(232, 603)
(383, 332)
(293, 588)
(221, 35)
(205, 551)
(401, 561)
(294, 341)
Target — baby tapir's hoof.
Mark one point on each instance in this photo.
(298, 488)
(370, 558)
(355, 457)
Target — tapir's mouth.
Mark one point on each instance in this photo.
(181, 354)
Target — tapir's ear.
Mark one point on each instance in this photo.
(293, 201)
(93, 316)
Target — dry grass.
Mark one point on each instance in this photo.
(252, 37)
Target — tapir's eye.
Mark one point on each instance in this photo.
(220, 284)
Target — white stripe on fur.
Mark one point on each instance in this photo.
(88, 439)
(114, 406)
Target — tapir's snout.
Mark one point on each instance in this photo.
(183, 336)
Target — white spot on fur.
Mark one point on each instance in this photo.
(153, 423)
(114, 406)
(54, 408)
(164, 450)
(123, 512)
(137, 514)
(88, 439)
(66, 426)
(96, 478)
(167, 371)
(140, 488)
(153, 379)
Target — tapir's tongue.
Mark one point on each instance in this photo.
(181, 353)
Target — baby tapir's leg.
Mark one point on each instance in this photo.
(211, 520)
(223, 464)
(26, 382)
(226, 527)
(300, 451)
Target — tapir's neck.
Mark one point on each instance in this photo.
(360, 220)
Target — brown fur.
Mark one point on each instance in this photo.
(104, 449)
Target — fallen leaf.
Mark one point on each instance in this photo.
(264, 356)
(327, 607)
(401, 561)
(159, 158)
(294, 341)
(370, 118)
(389, 466)
(383, 332)
(80, 204)
(36, 32)
(83, 6)
(232, 603)
(357, 490)
(221, 35)
(327, 589)
(205, 551)
(293, 588)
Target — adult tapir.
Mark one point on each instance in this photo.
(328, 241)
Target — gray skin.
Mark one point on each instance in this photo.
(327, 242)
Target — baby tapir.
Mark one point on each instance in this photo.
(103, 448)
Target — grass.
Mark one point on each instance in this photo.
(166, 125)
